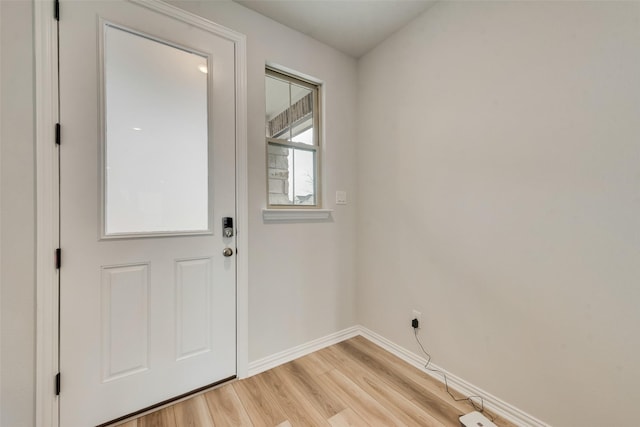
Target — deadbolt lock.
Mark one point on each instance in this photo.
(227, 226)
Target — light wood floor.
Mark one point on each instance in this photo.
(353, 383)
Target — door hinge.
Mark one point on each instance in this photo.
(58, 258)
(56, 10)
(57, 133)
(58, 384)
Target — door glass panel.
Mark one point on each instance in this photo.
(156, 177)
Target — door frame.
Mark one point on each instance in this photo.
(47, 196)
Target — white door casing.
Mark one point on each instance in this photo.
(172, 269)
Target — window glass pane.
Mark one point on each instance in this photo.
(156, 142)
(292, 176)
(304, 133)
(304, 177)
(278, 102)
(280, 161)
(289, 110)
(301, 113)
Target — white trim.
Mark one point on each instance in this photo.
(494, 404)
(285, 356)
(47, 196)
(275, 215)
(242, 210)
(0, 205)
(46, 108)
(293, 73)
(193, 19)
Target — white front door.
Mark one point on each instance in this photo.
(147, 161)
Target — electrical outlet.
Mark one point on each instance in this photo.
(415, 314)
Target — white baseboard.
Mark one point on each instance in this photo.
(494, 404)
(285, 356)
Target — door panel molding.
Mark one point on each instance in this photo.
(193, 327)
(47, 190)
(125, 320)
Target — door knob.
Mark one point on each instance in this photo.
(227, 252)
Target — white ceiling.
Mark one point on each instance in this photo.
(351, 26)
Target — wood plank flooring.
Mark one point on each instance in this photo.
(353, 383)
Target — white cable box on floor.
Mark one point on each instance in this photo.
(475, 419)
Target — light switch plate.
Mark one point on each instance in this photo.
(341, 197)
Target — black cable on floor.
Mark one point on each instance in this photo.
(476, 406)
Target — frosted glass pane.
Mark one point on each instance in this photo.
(156, 142)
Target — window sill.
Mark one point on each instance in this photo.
(299, 215)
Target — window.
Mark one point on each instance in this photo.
(292, 135)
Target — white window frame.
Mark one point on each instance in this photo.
(276, 211)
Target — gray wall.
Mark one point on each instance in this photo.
(504, 138)
(17, 219)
